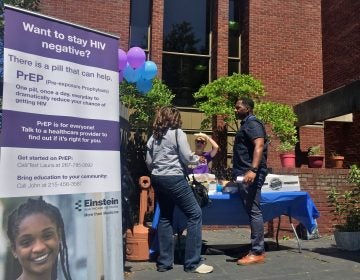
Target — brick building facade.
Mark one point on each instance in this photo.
(341, 56)
(298, 49)
(287, 58)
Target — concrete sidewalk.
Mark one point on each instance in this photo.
(319, 259)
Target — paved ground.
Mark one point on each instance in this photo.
(319, 259)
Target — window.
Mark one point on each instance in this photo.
(186, 47)
(140, 23)
(234, 37)
(184, 75)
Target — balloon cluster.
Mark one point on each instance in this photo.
(134, 69)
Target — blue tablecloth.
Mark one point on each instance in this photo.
(227, 209)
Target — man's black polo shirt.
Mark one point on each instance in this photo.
(251, 128)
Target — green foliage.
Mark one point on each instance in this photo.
(286, 146)
(32, 5)
(219, 96)
(281, 118)
(335, 154)
(233, 25)
(346, 205)
(314, 150)
(143, 107)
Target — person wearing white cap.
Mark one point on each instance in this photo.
(201, 141)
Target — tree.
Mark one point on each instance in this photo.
(32, 5)
(181, 38)
(282, 119)
(143, 107)
(219, 96)
(142, 110)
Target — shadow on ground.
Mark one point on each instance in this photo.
(337, 253)
(234, 251)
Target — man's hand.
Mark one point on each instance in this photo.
(249, 177)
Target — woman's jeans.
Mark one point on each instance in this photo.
(171, 191)
(251, 195)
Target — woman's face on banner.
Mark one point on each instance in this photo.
(37, 244)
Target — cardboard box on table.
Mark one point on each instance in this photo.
(281, 183)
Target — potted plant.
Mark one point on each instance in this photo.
(287, 155)
(282, 119)
(315, 158)
(337, 160)
(346, 208)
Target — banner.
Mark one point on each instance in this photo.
(60, 147)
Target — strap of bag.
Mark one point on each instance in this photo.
(182, 164)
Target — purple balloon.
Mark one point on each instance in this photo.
(122, 58)
(136, 57)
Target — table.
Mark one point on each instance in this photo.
(227, 209)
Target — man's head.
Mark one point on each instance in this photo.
(243, 107)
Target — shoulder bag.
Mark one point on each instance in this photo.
(199, 190)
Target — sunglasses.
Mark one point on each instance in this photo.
(200, 141)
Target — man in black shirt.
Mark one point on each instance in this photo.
(249, 162)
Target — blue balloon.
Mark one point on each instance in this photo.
(130, 74)
(150, 70)
(144, 85)
(141, 70)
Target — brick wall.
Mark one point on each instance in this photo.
(157, 32)
(112, 16)
(285, 48)
(317, 182)
(341, 42)
(220, 38)
(285, 52)
(341, 55)
(219, 68)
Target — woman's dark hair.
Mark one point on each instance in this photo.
(35, 206)
(166, 117)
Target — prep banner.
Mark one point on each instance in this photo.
(60, 130)
(59, 150)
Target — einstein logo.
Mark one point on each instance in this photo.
(78, 205)
(275, 184)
